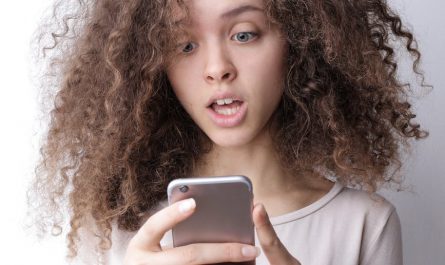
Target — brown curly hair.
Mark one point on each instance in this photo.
(118, 134)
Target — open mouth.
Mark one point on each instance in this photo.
(227, 112)
(226, 107)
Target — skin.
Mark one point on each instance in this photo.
(216, 61)
(228, 55)
(217, 57)
(144, 247)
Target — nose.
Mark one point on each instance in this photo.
(219, 66)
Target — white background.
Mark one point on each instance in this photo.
(422, 213)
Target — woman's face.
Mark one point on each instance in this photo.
(229, 71)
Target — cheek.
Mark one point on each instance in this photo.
(179, 84)
(267, 73)
(184, 79)
(269, 62)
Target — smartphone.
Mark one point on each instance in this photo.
(223, 211)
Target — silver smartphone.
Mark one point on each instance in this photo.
(223, 211)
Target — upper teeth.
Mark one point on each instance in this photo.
(224, 101)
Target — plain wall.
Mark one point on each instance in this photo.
(422, 212)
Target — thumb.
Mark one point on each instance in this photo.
(272, 247)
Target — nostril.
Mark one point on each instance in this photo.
(226, 76)
(220, 76)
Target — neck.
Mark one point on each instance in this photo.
(258, 160)
(274, 186)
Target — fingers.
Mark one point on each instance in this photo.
(145, 246)
(206, 254)
(165, 247)
(272, 247)
(152, 231)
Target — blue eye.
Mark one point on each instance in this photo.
(188, 48)
(245, 36)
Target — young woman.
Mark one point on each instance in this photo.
(300, 96)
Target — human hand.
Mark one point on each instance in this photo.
(274, 250)
(144, 247)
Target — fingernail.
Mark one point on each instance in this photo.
(263, 211)
(187, 205)
(250, 251)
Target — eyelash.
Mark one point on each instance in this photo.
(252, 34)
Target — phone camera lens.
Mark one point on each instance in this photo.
(184, 188)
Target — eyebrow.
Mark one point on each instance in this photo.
(232, 13)
(239, 10)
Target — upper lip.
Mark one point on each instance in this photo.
(223, 95)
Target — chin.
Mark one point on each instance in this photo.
(230, 139)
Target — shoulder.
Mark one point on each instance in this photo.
(370, 205)
(376, 222)
(370, 215)
(364, 212)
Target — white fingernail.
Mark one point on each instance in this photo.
(250, 251)
(187, 205)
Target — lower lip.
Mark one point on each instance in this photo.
(228, 121)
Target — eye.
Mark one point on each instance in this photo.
(244, 36)
(188, 48)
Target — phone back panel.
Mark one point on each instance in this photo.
(223, 211)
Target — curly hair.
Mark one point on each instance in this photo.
(118, 134)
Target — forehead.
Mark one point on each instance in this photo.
(193, 11)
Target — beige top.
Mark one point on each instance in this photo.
(344, 227)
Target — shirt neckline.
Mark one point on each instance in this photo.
(300, 213)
